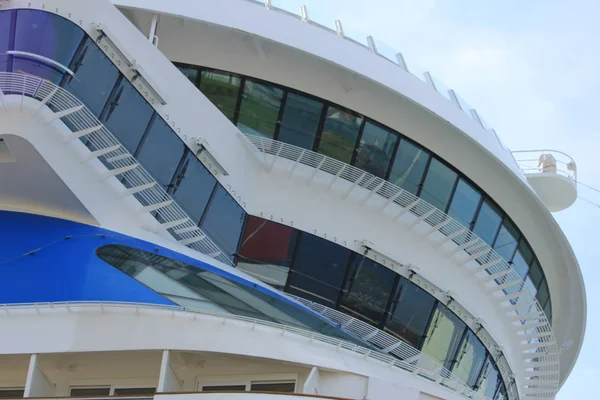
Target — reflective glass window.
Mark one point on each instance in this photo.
(548, 310)
(409, 313)
(367, 290)
(464, 203)
(300, 120)
(161, 152)
(501, 393)
(543, 293)
(89, 391)
(141, 391)
(127, 115)
(95, 77)
(192, 186)
(223, 221)
(259, 110)
(375, 149)
(318, 269)
(489, 379)
(6, 18)
(444, 335)
(409, 165)
(223, 388)
(438, 184)
(536, 274)
(222, 89)
(488, 221)
(47, 35)
(278, 387)
(11, 393)
(339, 135)
(507, 240)
(522, 258)
(191, 73)
(266, 250)
(469, 359)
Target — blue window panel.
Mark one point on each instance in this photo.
(375, 150)
(223, 221)
(192, 187)
(161, 152)
(409, 166)
(318, 270)
(300, 121)
(522, 258)
(469, 359)
(507, 240)
(438, 184)
(488, 221)
(6, 18)
(444, 336)
(535, 273)
(464, 203)
(489, 380)
(190, 72)
(47, 35)
(95, 77)
(128, 115)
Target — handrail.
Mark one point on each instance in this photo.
(530, 162)
(119, 162)
(418, 364)
(514, 295)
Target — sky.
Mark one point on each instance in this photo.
(531, 68)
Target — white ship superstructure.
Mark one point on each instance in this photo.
(230, 200)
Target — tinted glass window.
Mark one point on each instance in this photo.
(409, 313)
(443, 336)
(266, 250)
(259, 110)
(487, 223)
(191, 73)
(279, 387)
(367, 290)
(522, 258)
(95, 77)
(318, 269)
(375, 149)
(46, 35)
(224, 388)
(548, 309)
(489, 379)
(464, 203)
(535, 273)
(161, 152)
(134, 391)
(221, 89)
(300, 121)
(85, 392)
(128, 115)
(223, 221)
(192, 187)
(409, 165)
(543, 293)
(6, 18)
(339, 135)
(469, 359)
(507, 240)
(438, 184)
(11, 393)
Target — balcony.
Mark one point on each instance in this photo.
(552, 174)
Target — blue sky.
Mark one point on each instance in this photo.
(531, 69)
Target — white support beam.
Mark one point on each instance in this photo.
(503, 286)
(490, 264)
(437, 227)
(173, 224)
(296, 163)
(156, 206)
(167, 378)
(45, 100)
(422, 218)
(118, 158)
(523, 328)
(81, 133)
(2, 100)
(518, 306)
(354, 185)
(316, 169)
(100, 153)
(119, 171)
(186, 230)
(137, 189)
(37, 384)
(493, 277)
(406, 209)
(451, 237)
(375, 189)
(192, 240)
(64, 113)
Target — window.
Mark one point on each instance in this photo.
(6, 18)
(443, 336)
(46, 35)
(367, 290)
(127, 115)
(192, 186)
(375, 149)
(409, 313)
(191, 73)
(543, 293)
(7, 393)
(409, 165)
(222, 89)
(438, 184)
(507, 240)
(223, 221)
(144, 391)
(489, 379)
(223, 388)
(259, 110)
(487, 222)
(278, 387)
(318, 269)
(266, 250)
(339, 135)
(464, 203)
(536, 274)
(161, 151)
(274, 386)
(522, 258)
(89, 391)
(95, 77)
(469, 359)
(300, 120)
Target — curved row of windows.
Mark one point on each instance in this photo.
(266, 109)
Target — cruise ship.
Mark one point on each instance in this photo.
(238, 199)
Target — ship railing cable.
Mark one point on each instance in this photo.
(104, 146)
(533, 333)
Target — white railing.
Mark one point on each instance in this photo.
(106, 147)
(532, 329)
(295, 9)
(546, 161)
(405, 357)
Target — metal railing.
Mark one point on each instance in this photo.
(404, 357)
(104, 146)
(546, 161)
(525, 316)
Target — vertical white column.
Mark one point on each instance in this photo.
(37, 384)
(153, 27)
(167, 379)
(311, 386)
